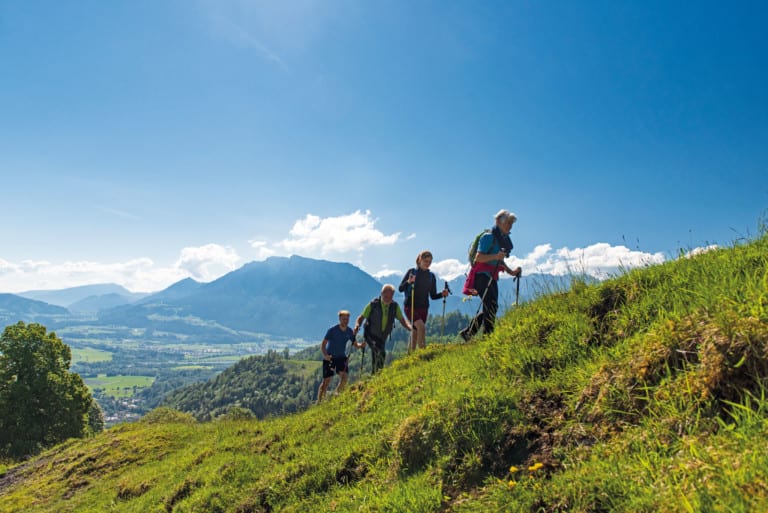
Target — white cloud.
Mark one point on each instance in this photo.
(598, 260)
(204, 263)
(386, 273)
(700, 250)
(262, 251)
(314, 236)
(207, 262)
(449, 269)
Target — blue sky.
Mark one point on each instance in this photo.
(145, 141)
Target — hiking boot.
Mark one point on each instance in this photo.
(465, 335)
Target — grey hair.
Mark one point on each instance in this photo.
(387, 287)
(504, 215)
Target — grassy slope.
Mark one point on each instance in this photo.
(645, 393)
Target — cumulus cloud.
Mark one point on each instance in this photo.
(204, 263)
(386, 273)
(207, 262)
(700, 250)
(599, 260)
(262, 250)
(313, 235)
(449, 269)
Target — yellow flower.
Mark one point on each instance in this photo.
(535, 466)
(513, 469)
(512, 484)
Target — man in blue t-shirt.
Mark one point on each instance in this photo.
(334, 348)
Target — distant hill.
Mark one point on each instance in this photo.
(296, 297)
(101, 302)
(72, 295)
(178, 290)
(14, 308)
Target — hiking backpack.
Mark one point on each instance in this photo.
(369, 326)
(472, 252)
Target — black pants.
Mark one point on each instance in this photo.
(377, 358)
(378, 354)
(488, 290)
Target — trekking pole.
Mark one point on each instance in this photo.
(413, 328)
(442, 323)
(517, 287)
(348, 353)
(362, 359)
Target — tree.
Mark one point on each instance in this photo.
(41, 402)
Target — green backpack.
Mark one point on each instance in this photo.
(473, 247)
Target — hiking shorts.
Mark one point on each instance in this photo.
(418, 313)
(335, 366)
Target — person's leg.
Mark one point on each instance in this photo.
(482, 281)
(341, 370)
(377, 358)
(421, 333)
(328, 372)
(412, 335)
(322, 389)
(490, 306)
(342, 382)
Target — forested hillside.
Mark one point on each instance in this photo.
(264, 385)
(643, 393)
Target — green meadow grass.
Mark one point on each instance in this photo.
(119, 386)
(90, 355)
(643, 393)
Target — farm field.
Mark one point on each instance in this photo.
(119, 386)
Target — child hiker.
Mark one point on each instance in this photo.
(419, 285)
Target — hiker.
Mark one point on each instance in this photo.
(492, 248)
(335, 359)
(419, 285)
(380, 315)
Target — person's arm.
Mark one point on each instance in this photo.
(359, 320)
(399, 316)
(433, 293)
(484, 246)
(484, 258)
(323, 346)
(406, 281)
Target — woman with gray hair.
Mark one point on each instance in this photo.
(492, 248)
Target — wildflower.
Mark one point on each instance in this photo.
(513, 469)
(512, 484)
(536, 466)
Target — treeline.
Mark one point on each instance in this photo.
(266, 385)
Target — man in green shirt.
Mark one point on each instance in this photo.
(380, 315)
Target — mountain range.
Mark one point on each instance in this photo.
(282, 296)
